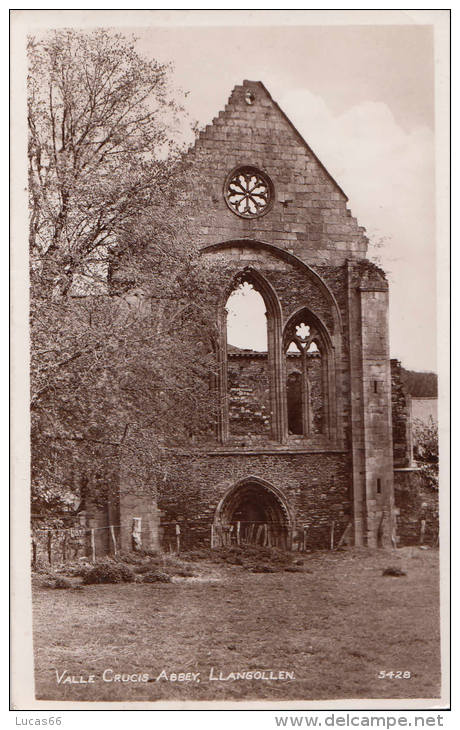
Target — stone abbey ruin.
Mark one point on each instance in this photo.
(308, 448)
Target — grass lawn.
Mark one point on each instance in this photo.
(333, 627)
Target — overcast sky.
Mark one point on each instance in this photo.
(362, 97)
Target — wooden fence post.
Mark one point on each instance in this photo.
(34, 553)
(332, 534)
(114, 541)
(251, 532)
(422, 531)
(93, 546)
(48, 546)
(305, 529)
(178, 537)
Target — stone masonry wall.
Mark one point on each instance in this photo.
(317, 488)
(294, 285)
(249, 397)
(309, 216)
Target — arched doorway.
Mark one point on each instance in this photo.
(253, 512)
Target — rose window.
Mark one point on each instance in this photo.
(248, 192)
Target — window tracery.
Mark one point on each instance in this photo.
(248, 192)
(282, 391)
(306, 386)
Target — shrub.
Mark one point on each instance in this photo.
(393, 571)
(43, 579)
(108, 571)
(184, 572)
(41, 567)
(49, 579)
(156, 576)
(140, 558)
(199, 554)
(61, 582)
(77, 569)
(174, 565)
(251, 556)
(262, 569)
(147, 568)
(168, 565)
(293, 569)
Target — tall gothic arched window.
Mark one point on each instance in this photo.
(251, 361)
(306, 368)
(248, 382)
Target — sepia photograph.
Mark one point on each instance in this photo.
(230, 447)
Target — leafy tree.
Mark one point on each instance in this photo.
(427, 450)
(420, 384)
(122, 308)
(98, 118)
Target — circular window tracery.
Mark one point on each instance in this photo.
(248, 192)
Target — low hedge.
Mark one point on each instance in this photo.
(108, 571)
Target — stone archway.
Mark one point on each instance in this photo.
(252, 512)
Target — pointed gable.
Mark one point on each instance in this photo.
(307, 212)
(273, 114)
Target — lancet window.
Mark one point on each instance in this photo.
(275, 386)
(251, 394)
(248, 382)
(306, 378)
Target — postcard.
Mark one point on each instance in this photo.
(230, 328)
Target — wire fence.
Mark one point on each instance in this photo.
(58, 545)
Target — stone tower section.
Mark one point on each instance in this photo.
(302, 453)
(376, 390)
(371, 434)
